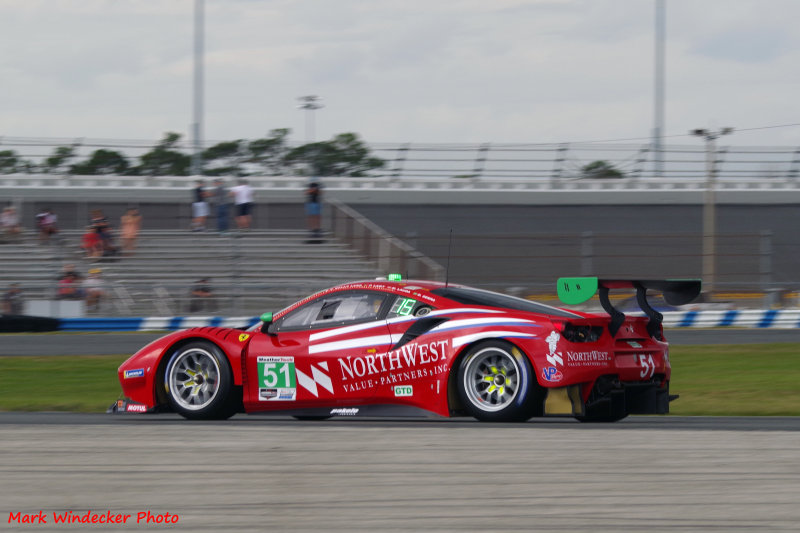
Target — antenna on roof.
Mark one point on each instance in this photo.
(449, 251)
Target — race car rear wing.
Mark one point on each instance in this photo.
(574, 291)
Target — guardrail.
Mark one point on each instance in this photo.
(754, 319)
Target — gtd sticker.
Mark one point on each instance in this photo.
(138, 373)
(404, 390)
(276, 379)
(552, 374)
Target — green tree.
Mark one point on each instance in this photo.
(165, 159)
(9, 162)
(102, 162)
(344, 155)
(58, 161)
(268, 153)
(224, 159)
(601, 170)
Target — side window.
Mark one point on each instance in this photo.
(403, 306)
(335, 309)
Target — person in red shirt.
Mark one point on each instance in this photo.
(91, 243)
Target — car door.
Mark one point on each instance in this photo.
(322, 353)
(417, 361)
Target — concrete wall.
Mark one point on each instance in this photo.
(758, 245)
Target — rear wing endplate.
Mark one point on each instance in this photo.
(574, 291)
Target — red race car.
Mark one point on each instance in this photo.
(393, 347)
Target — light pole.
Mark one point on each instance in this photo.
(310, 104)
(197, 124)
(709, 205)
(658, 113)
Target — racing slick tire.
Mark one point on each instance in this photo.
(496, 383)
(199, 383)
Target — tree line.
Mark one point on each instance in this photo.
(343, 155)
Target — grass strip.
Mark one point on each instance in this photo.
(736, 380)
(84, 383)
(712, 380)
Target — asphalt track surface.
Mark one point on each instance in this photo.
(128, 343)
(256, 473)
(278, 474)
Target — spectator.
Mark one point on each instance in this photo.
(69, 287)
(130, 223)
(199, 206)
(92, 244)
(243, 198)
(46, 223)
(69, 283)
(12, 300)
(99, 220)
(105, 232)
(94, 287)
(220, 199)
(201, 296)
(9, 225)
(314, 212)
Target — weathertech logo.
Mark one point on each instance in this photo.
(318, 377)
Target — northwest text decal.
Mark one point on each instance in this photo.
(407, 363)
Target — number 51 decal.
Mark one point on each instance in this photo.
(648, 366)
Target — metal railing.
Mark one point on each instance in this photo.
(389, 253)
(484, 161)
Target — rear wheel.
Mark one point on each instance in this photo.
(199, 383)
(496, 383)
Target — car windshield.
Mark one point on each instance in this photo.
(469, 296)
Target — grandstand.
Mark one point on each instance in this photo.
(249, 272)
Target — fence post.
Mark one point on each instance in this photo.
(558, 166)
(587, 253)
(480, 161)
(765, 266)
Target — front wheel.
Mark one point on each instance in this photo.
(199, 383)
(496, 383)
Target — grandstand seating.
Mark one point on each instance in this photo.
(249, 272)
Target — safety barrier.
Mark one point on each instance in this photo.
(172, 323)
(746, 318)
(739, 318)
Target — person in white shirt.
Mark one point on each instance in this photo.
(243, 200)
(95, 289)
(9, 224)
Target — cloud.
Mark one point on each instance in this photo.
(457, 71)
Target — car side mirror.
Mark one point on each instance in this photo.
(266, 320)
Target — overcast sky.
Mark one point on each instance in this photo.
(434, 71)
